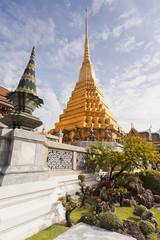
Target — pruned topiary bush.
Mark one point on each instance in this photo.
(146, 227)
(151, 180)
(111, 221)
(139, 210)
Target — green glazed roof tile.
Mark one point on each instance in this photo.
(28, 80)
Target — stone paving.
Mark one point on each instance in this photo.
(82, 231)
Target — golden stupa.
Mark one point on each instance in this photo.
(87, 116)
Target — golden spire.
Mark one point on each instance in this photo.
(86, 48)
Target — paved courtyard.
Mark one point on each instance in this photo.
(82, 231)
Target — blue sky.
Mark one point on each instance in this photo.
(124, 40)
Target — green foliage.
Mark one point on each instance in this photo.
(152, 236)
(85, 190)
(156, 198)
(91, 219)
(136, 153)
(151, 180)
(111, 221)
(81, 177)
(127, 180)
(146, 227)
(69, 205)
(140, 209)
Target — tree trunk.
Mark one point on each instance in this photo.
(68, 220)
(121, 200)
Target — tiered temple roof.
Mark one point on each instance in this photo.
(5, 105)
(87, 116)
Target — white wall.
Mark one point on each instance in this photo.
(27, 208)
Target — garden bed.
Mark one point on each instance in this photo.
(57, 229)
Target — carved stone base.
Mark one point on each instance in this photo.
(21, 120)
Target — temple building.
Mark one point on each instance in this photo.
(5, 105)
(87, 116)
(153, 137)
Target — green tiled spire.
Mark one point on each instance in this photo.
(28, 80)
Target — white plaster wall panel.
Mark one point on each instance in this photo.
(14, 152)
(27, 208)
(16, 215)
(27, 155)
(40, 154)
(31, 227)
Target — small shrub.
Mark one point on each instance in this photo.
(146, 227)
(111, 221)
(91, 220)
(151, 180)
(156, 198)
(140, 209)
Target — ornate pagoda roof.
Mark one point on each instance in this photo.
(86, 107)
(28, 80)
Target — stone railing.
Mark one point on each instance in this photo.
(65, 157)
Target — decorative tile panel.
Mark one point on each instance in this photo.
(81, 160)
(59, 159)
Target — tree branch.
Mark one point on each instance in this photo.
(117, 174)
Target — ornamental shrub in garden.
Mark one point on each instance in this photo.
(85, 191)
(146, 227)
(140, 209)
(111, 221)
(151, 180)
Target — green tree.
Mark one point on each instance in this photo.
(85, 190)
(135, 153)
(125, 182)
(69, 205)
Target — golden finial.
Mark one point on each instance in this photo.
(86, 24)
(86, 48)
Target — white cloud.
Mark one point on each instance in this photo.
(129, 23)
(77, 20)
(128, 13)
(66, 92)
(12, 65)
(128, 45)
(50, 111)
(67, 3)
(98, 4)
(22, 28)
(133, 96)
(69, 50)
(104, 35)
(149, 45)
